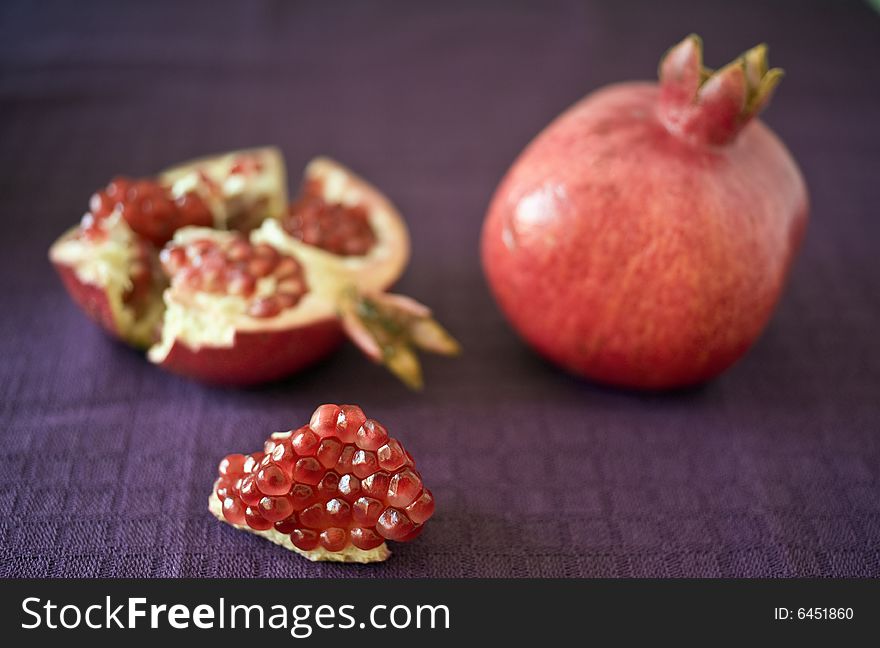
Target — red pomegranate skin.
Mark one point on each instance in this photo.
(90, 298)
(636, 257)
(257, 357)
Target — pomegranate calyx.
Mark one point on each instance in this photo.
(389, 328)
(712, 106)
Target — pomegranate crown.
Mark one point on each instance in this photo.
(712, 106)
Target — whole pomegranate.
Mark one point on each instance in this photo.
(643, 238)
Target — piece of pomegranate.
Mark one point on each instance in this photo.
(220, 338)
(335, 489)
(644, 237)
(109, 262)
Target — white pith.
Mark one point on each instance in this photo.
(199, 319)
(349, 554)
(105, 265)
(269, 183)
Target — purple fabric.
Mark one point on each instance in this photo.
(106, 461)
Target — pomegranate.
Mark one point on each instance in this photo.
(644, 237)
(334, 489)
(248, 289)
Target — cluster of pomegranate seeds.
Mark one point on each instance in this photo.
(338, 481)
(148, 208)
(337, 228)
(233, 266)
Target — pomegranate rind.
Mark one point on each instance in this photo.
(253, 357)
(386, 260)
(350, 554)
(237, 200)
(99, 296)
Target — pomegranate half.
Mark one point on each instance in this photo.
(249, 289)
(644, 237)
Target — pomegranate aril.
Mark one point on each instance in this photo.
(334, 539)
(404, 487)
(323, 421)
(233, 510)
(222, 488)
(328, 452)
(256, 521)
(338, 512)
(249, 492)
(284, 455)
(269, 446)
(393, 524)
(301, 496)
(304, 539)
(287, 526)
(391, 456)
(314, 516)
(364, 463)
(422, 508)
(412, 535)
(366, 511)
(260, 267)
(308, 471)
(365, 539)
(349, 487)
(287, 267)
(272, 480)
(328, 485)
(348, 421)
(376, 485)
(275, 508)
(343, 465)
(305, 442)
(371, 435)
(252, 461)
(264, 307)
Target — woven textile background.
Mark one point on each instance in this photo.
(106, 462)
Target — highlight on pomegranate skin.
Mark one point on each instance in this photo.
(335, 489)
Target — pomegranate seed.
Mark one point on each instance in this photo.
(405, 486)
(308, 471)
(275, 508)
(287, 267)
(344, 464)
(305, 442)
(365, 539)
(301, 496)
(233, 510)
(304, 539)
(312, 485)
(422, 508)
(376, 485)
(371, 435)
(252, 461)
(314, 516)
(391, 456)
(393, 524)
(256, 521)
(287, 526)
(260, 267)
(249, 493)
(349, 487)
(264, 307)
(348, 421)
(272, 480)
(323, 422)
(366, 511)
(284, 455)
(328, 485)
(328, 452)
(334, 539)
(364, 463)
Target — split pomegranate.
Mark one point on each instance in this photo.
(644, 237)
(335, 489)
(248, 290)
